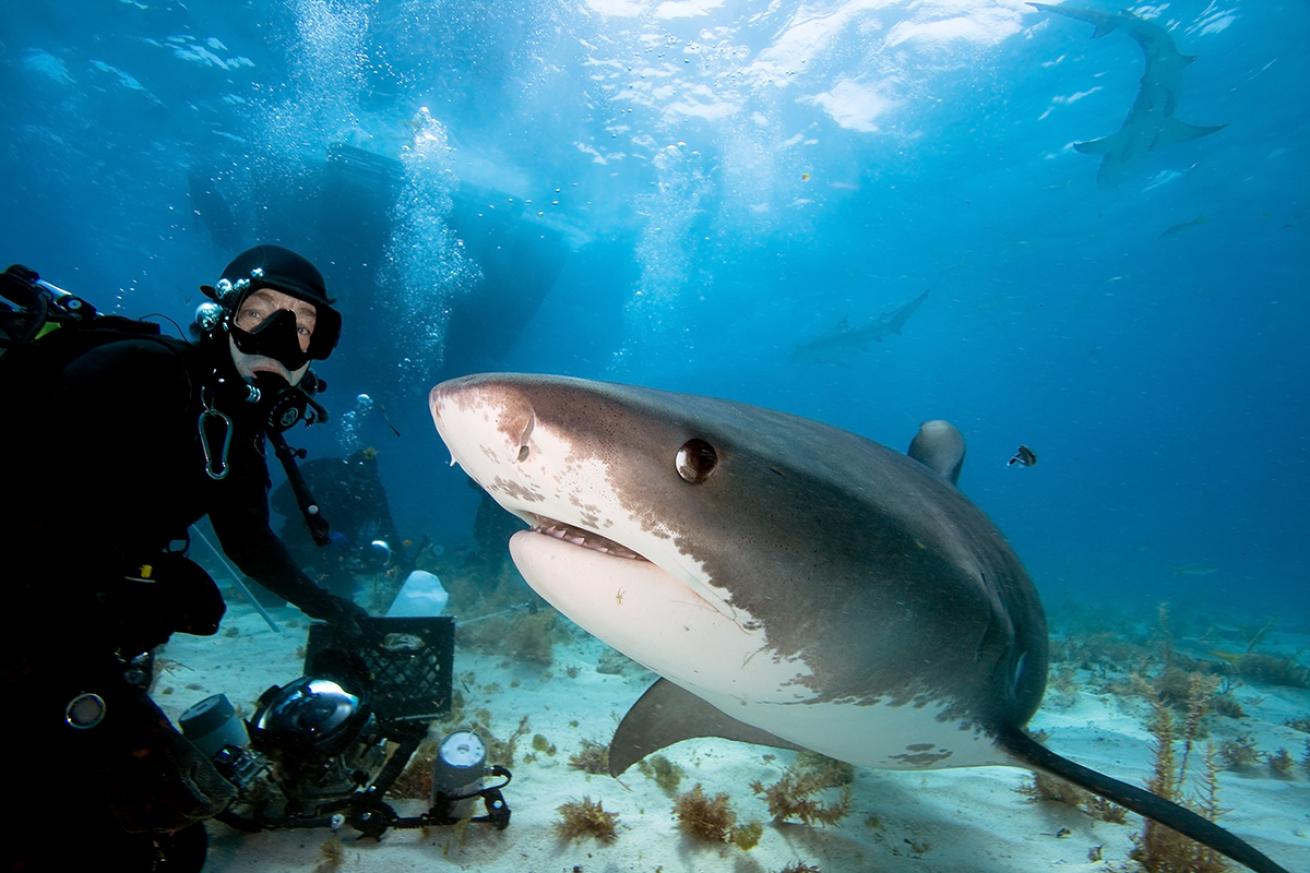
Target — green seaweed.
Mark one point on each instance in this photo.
(1281, 764)
(1045, 787)
(795, 797)
(592, 757)
(334, 855)
(582, 818)
(1239, 753)
(747, 836)
(415, 780)
(1272, 670)
(703, 817)
(498, 751)
(667, 775)
(1160, 849)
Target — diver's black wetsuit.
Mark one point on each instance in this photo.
(126, 470)
(351, 491)
(100, 473)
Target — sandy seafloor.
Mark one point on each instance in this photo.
(943, 820)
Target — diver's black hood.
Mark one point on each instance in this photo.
(270, 266)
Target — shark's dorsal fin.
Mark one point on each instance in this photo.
(665, 715)
(939, 446)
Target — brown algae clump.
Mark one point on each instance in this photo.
(580, 818)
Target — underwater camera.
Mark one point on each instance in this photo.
(323, 750)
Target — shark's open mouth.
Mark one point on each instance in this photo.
(580, 537)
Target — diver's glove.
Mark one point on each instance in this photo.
(347, 615)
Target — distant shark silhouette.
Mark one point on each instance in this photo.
(1151, 122)
(209, 206)
(846, 340)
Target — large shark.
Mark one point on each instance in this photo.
(1150, 122)
(846, 340)
(794, 585)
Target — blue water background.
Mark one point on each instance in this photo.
(680, 194)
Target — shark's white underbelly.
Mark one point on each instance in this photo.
(876, 735)
(658, 621)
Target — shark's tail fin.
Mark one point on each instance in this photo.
(1140, 801)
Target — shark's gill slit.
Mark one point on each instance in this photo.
(524, 450)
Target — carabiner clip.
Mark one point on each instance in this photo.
(220, 470)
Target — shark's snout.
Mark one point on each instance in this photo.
(495, 415)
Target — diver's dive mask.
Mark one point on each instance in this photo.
(275, 337)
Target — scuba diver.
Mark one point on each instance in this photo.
(363, 539)
(116, 440)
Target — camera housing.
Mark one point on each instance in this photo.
(324, 749)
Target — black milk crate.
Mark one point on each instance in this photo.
(408, 662)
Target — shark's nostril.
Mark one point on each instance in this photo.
(523, 452)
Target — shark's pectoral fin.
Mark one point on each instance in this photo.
(1175, 131)
(1104, 28)
(1102, 146)
(665, 715)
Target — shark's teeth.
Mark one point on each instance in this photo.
(584, 538)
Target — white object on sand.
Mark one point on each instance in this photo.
(422, 596)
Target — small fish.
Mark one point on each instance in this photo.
(1024, 457)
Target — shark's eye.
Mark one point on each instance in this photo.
(696, 460)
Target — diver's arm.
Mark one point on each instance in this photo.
(243, 529)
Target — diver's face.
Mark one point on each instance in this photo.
(258, 306)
